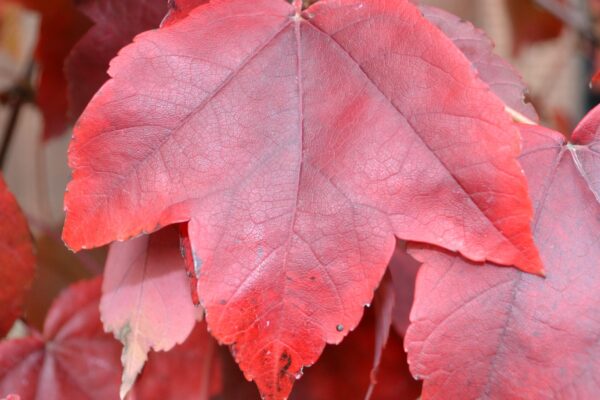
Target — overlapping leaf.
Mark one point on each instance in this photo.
(343, 371)
(298, 145)
(531, 23)
(61, 27)
(116, 22)
(179, 9)
(17, 261)
(191, 371)
(502, 78)
(499, 333)
(72, 359)
(146, 301)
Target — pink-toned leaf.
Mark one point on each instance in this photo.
(295, 177)
(145, 301)
(72, 359)
(503, 78)
(17, 261)
(191, 371)
(498, 333)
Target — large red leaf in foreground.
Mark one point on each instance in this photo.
(296, 177)
(72, 359)
(146, 301)
(499, 333)
(17, 262)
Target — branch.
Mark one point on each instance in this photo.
(518, 117)
(10, 128)
(16, 98)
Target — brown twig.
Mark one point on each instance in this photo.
(15, 104)
(16, 98)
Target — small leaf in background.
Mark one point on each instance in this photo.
(57, 268)
(191, 371)
(116, 22)
(145, 301)
(481, 332)
(61, 27)
(179, 9)
(72, 359)
(531, 23)
(344, 371)
(17, 260)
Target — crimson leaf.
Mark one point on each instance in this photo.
(145, 301)
(71, 359)
(295, 177)
(17, 262)
(499, 333)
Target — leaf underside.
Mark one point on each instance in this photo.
(297, 148)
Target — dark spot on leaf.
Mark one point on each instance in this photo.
(286, 360)
(340, 328)
(312, 278)
(223, 302)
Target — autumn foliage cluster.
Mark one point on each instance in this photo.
(354, 186)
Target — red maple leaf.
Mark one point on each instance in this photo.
(499, 333)
(145, 301)
(297, 145)
(17, 262)
(72, 359)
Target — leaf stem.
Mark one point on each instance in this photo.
(518, 117)
(298, 6)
